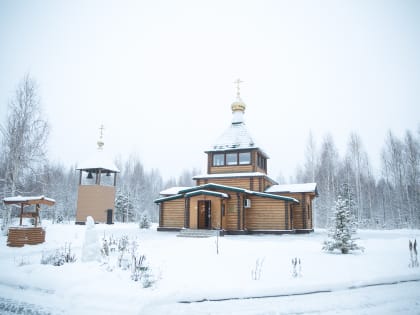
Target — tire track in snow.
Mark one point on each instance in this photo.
(353, 287)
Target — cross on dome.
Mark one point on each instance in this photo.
(238, 82)
(101, 130)
(238, 106)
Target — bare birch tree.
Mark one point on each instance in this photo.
(25, 134)
(412, 178)
(327, 179)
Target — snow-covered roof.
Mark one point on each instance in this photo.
(223, 175)
(208, 186)
(99, 160)
(292, 188)
(172, 190)
(207, 192)
(236, 136)
(29, 200)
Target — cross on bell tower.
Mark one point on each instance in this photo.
(101, 136)
(96, 192)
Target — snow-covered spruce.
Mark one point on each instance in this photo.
(144, 221)
(343, 224)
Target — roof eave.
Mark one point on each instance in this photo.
(174, 197)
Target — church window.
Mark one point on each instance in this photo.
(232, 159)
(218, 159)
(262, 162)
(245, 158)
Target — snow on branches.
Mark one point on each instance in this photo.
(343, 224)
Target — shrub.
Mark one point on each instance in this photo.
(59, 257)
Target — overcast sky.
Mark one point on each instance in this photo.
(159, 74)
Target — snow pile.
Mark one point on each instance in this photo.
(91, 248)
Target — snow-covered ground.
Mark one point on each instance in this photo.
(190, 270)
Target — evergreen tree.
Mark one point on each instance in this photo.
(144, 221)
(343, 223)
(124, 208)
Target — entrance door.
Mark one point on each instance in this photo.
(204, 214)
(109, 216)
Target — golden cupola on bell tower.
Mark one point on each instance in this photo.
(238, 106)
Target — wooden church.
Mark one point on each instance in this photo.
(236, 194)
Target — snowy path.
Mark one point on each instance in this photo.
(401, 298)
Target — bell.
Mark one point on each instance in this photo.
(108, 173)
(89, 175)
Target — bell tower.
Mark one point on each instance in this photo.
(97, 183)
(234, 152)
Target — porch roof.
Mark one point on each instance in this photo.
(212, 186)
(159, 200)
(207, 192)
(237, 189)
(204, 189)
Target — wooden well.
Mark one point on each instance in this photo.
(31, 235)
(19, 236)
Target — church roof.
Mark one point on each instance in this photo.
(205, 189)
(236, 136)
(293, 188)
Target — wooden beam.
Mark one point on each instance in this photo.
(37, 214)
(238, 204)
(221, 213)
(187, 213)
(21, 214)
(304, 210)
(161, 214)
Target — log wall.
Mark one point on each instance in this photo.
(19, 236)
(302, 213)
(172, 213)
(231, 212)
(266, 214)
(231, 169)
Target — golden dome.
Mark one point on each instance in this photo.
(238, 105)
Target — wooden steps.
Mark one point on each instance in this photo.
(197, 233)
